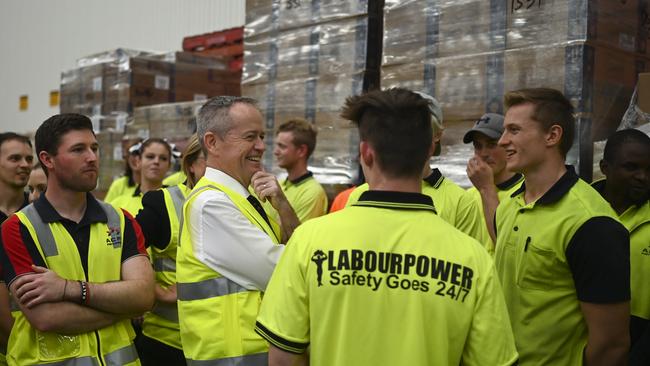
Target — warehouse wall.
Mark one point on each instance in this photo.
(39, 39)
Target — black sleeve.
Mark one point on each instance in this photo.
(154, 220)
(599, 259)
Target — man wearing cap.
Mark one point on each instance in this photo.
(487, 170)
(452, 203)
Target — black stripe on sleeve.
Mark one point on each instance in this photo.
(281, 343)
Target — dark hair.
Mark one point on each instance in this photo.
(49, 133)
(619, 138)
(155, 140)
(8, 136)
(397, 124)
(303, 132)
(551, 107)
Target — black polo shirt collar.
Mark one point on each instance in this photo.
(599, 185)
(4, 216)
(94, 212)
(435, 178)
(301, 178)
(137, 191)
(557, 191)
(510, 182)
(396, 200)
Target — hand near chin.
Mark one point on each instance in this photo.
(480, 173)
(267, 187)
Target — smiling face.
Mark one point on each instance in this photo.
(240, 150)
(16, 159)
(75, 165)
(523, 139)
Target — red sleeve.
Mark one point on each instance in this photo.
(17, 256)
(133, 241)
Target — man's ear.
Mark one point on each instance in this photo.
(554, 135)
(302, 151)
(367, 154)
(604, 167)
(212, 142)
(46, 159)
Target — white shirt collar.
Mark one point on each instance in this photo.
(224, 179)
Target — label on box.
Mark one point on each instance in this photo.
(117, 152)
(97, 83)
(97, 109)
(200, 97)
(120, 122)
(161, 82)
(143, 134)
(95, 121)
(627, 42)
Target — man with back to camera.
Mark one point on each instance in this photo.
(365, 285)
(562, 257)
(626, 166)
(452, 203)
(487, 169)
(295, 141)
(229, 246)
(16, 160)
(76, 267)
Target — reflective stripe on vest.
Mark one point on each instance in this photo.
(166, 311)
(121, 356)
(205, 289)
(258, 359)
(177, 199)
(164, 265)
(81, 361)
(44, 233)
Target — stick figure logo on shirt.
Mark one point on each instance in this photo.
(319, 257)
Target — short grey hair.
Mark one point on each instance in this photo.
(214, 116)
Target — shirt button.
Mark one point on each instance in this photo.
(516, 228)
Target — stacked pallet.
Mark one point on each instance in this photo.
(467, 53)
(303, 61)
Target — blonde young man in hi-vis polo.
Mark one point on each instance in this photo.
(562, 257)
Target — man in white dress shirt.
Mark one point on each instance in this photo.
(229, 246)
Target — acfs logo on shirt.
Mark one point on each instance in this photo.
(113, 237)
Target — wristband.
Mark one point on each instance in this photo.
(84, 292)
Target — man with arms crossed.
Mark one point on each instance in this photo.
(562, 258)
(228, 245)
(76, 267)
(366, 286)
